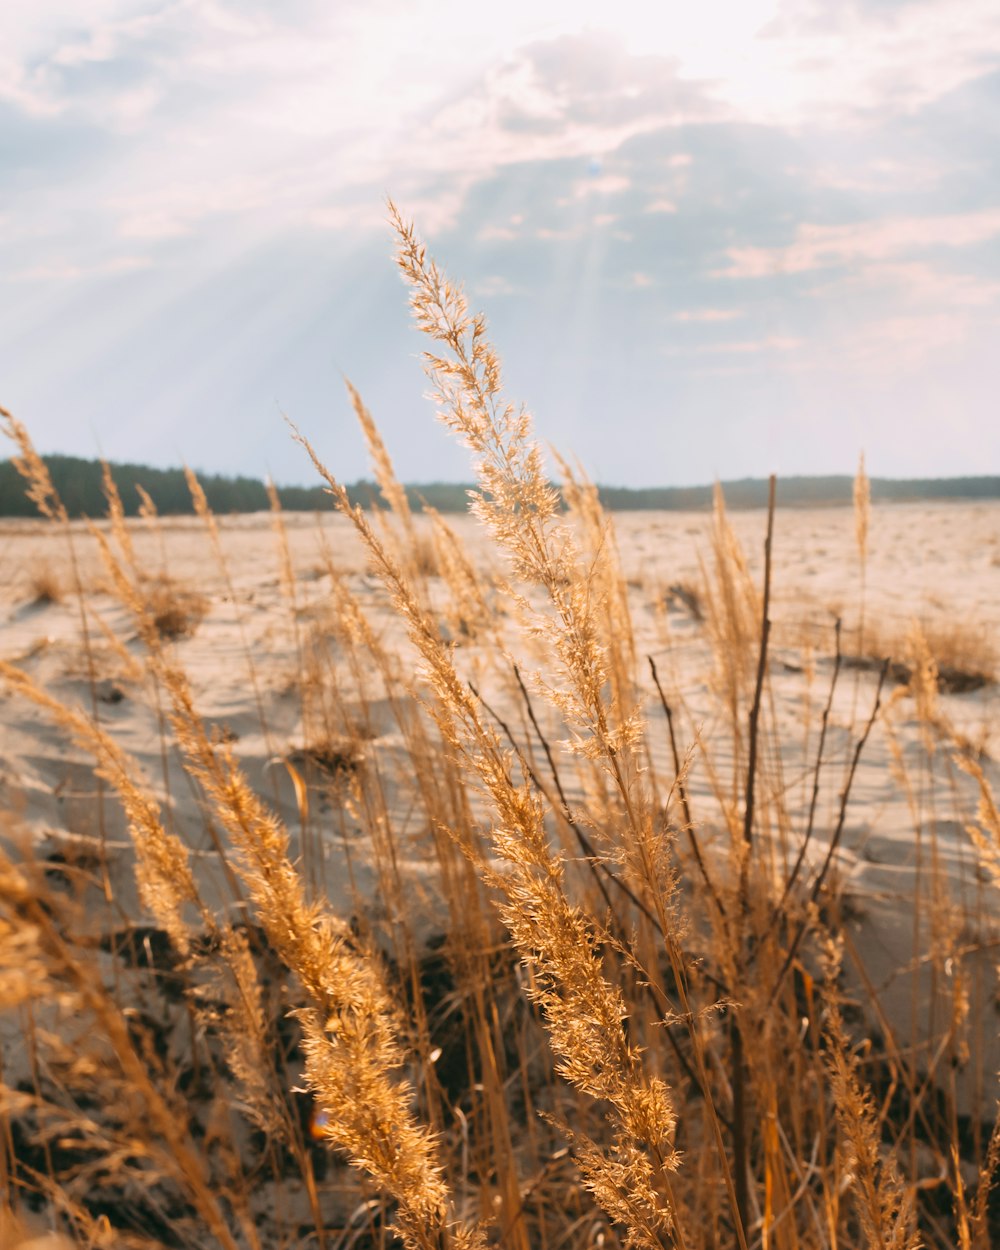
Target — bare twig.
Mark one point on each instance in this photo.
(837, 833)
(586, 845)
(650, 983)
(741, 1143)
(807, 836)
(591, 857)
(765, 633)
(682, 795)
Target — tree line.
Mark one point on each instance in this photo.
(78, 482)
(751, 492)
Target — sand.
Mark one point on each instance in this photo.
(910, 804)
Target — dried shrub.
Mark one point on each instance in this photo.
(46, 587)
(425, 555)
(686, 597)
(328, 757)
(965, 654)
(176, 611)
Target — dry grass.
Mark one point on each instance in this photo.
(641, 1019)
(46, 587)
(964, 654)
(685, 597)
(176, 611)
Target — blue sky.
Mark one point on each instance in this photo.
(711, 241)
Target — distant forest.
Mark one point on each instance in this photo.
(78, 482)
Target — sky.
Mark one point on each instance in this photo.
(711, 240)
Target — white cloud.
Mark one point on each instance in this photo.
(208, 140)
(819, 247)
(891, 344)
(56, 272)
(842, 63)
(708, 314)
(916, 283)
(319, 109)
(492, 285)
(601, 184)
(739, 347)
(316, 103)
(502, 232)
(880, 175)
(313, 65)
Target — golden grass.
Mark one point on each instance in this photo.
(964, 653)
(641, 1017)
(46, 587)
(176, 612)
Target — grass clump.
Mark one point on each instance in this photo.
(46, 587)
(175, 611)
(685, 597)
(964, 654)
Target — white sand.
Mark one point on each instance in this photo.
(939, 563)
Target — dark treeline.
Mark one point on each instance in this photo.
(751, 492)
(78, 482)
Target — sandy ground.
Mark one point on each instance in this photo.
(910, 804)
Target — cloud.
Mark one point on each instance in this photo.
(821, 247)
(708, 314)
(739, 347)
(194, 205)
(510, 230)
(879, 176)
(568, 98)
(56, 272)
(493, 285)
(273, 119)
(109, 72)
(917, 284)
(845, 63)
(891, 344)
(600, 185)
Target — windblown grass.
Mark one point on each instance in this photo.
(621, 1002)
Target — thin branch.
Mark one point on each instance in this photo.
(838, 832)
(807, 837)
(765, 633)
(586, 845)
(656, 992)
(741, 1136)
(682, 795)
(591, 854)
